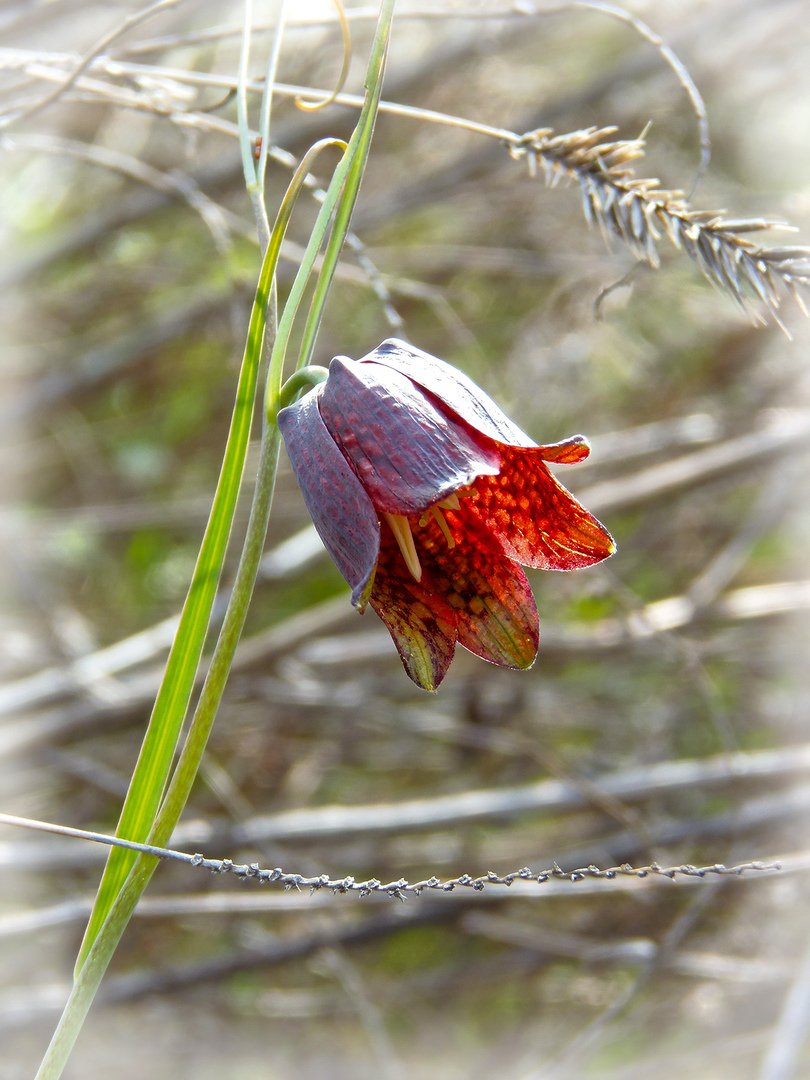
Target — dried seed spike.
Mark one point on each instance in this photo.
(629, 207)
(709, 219)
(671, 226)
(705, 258)
(726, 280)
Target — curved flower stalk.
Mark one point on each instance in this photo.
(430, 500)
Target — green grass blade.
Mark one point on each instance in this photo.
(101, 949)
(160, 741)
(113, 910)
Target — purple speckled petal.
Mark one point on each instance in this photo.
(407, 452)
(487, 591)
(420, 621)
(452, 388)
(341, 510)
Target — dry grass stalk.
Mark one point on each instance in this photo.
(639, 211)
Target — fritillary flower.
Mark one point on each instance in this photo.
(430, 501)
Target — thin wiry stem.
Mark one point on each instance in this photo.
(266, 112)
(670, 57)
(401, 887)
(527, 13)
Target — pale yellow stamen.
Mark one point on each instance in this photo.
(401, 529)
(438, 517)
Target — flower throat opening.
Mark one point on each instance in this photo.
(403, 534)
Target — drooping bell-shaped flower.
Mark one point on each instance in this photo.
(429, 499)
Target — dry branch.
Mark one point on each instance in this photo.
(546, 796)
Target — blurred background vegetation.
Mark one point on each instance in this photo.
(129, 263)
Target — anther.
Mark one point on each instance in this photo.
(438, 517)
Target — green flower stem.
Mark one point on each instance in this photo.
(304, 379)
(92, 972)
(225, 649)
(101, 946)
(275, 373)
(115, 905)
(113, 912)
(340, 200)
(155, 759)
(149, 780)
(248, 162)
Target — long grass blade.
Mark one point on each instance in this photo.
(160, 741)
(113, 910)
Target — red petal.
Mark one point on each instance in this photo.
(407, 453)
(567, 452)
(452, 388)
(494, 603)
(535, 519)
(340, 508)
(421, 623)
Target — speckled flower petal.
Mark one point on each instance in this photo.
(535, 519)
(421, 623)
(452, 388)
(392, 437)
(492, 599)
(340, 508)
(407, 453)
(567, 452)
